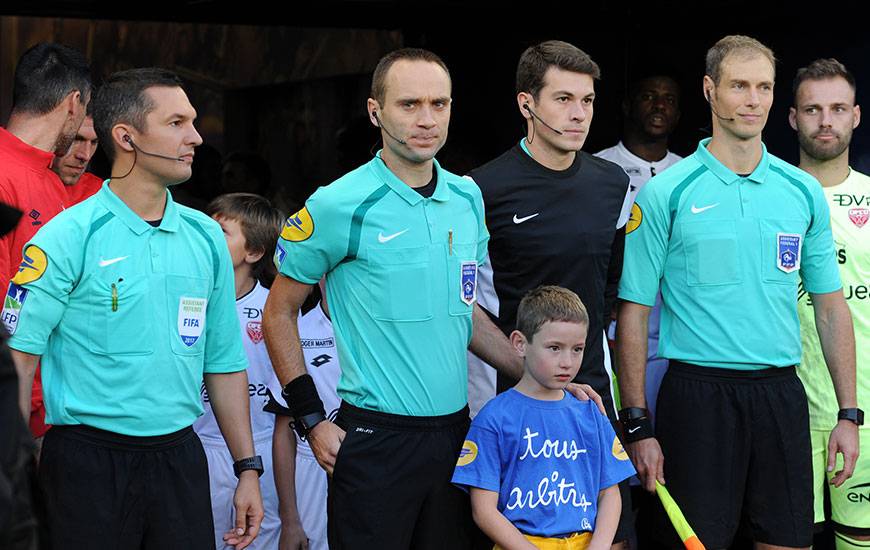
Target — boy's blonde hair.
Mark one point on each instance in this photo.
(549, 303)
(260, 222)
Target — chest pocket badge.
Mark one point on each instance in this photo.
(191, 319)
(469, 282)
(788, 252)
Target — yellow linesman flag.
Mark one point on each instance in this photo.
(689, 538)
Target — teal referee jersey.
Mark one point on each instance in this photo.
(401, 276)
(729, 252)
(127, 317)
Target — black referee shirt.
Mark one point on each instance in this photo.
(550, 227)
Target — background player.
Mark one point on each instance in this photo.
(70, 168)
(651, 111)
(251, 226)
(301, 481)
(824, 116)
(536, 439)
(49, 100)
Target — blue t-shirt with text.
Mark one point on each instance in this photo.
(547, 460)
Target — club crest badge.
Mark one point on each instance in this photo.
(788, 252)
(859, 216)
(255, 331)
(469, 282)
(191, 319)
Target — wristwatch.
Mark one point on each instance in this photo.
(855, 415)
(304, 424)
(251, 463)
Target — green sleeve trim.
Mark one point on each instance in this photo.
(100, 222)
(467, 197)
(358, 216)
(677, 193)
(215, 258)
(801, 187)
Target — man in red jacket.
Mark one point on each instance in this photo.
(49, 99)
(70, 168)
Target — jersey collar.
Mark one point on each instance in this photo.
(30, 156)
(132, 220)
(403, 189)
(724, 173)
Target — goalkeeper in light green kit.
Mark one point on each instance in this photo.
(824, 115)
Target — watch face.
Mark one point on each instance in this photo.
(854, 415)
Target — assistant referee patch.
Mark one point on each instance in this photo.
(298, 227)
(634, 219)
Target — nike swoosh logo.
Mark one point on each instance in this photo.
(696, 210)
(104, 263)
(632, 430)
(388, 238)
(521, 220)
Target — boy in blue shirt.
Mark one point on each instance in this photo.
(542, 467)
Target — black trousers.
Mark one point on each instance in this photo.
(108, 491)
(391, 487)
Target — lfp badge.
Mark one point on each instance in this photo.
(191, 319)
(788, 252)
(469, 282)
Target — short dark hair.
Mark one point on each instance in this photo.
(822, 69)
(260, 222)
(122, 98)
(537, 59)
(549, 303)
(46, 74)
(379, 78)
(745, 46)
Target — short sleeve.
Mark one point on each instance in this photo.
(479, 463)
(647, 235)
(482, 231)
(38, 294)
(223, 341)
(615, 464)
(315, 239)
(819, 270)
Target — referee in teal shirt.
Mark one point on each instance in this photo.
(128, 299)
(399, 240)
(727, 233)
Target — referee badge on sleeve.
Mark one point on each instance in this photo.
(12, 305)
(788, 252)
(469, 282)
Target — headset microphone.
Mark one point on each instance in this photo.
(531, 112)
(129, 140)
(384, 128)
(710, 103)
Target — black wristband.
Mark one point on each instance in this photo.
(636, 429)
(301, 397)
(632, 413)
(251, 463)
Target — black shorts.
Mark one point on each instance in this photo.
(106, 490)
(737, 453)
(391, 489)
